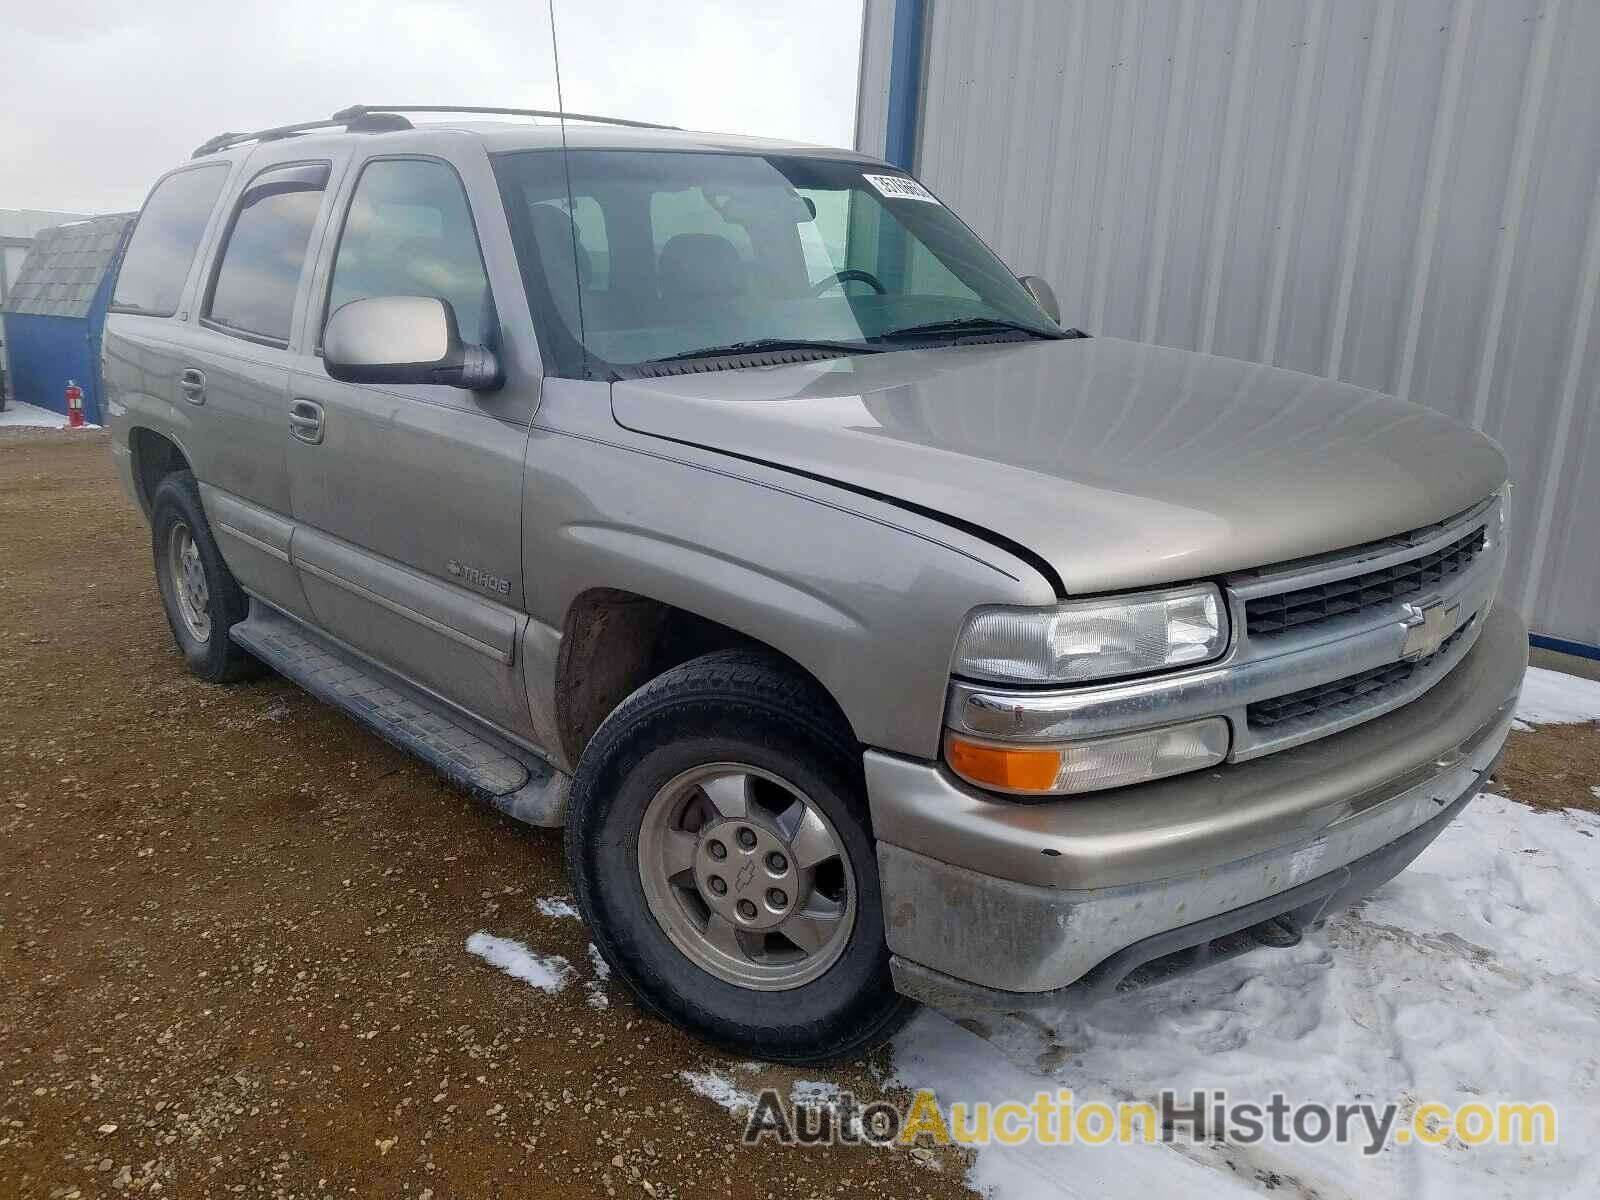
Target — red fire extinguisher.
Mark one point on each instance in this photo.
(74, 405)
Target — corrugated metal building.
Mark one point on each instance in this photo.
(1403, 194)
(56, 310)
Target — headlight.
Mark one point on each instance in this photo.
(1094, 639)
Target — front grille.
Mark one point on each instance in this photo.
(1364, 689)
(1266, 616)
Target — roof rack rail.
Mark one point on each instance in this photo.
(384, 118)
(363, 110)
(356, 122)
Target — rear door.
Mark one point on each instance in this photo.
(408, 499)
(234, 370)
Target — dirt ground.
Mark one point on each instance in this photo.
(232, 932)
(1554, 766)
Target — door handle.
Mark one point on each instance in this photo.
(192, 383)
(305, 421)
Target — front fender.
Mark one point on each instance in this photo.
(852, 590)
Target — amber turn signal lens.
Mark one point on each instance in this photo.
(1008, 768)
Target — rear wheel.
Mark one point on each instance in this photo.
(201, 598)
(721, 851)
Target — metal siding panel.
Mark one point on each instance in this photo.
(1357, 209)
(939, 118)
(1185, 277)
(1174, 130)
(983, 85)
(1294, 210)
(1407, 175)
(872, 82)
(1570, 579)
(1355, 67)
(1116, 148)
(1518, 181)
(1459, 293)
(1552, 330)
(1058, 216)
(1102, 39)
(1272, 202)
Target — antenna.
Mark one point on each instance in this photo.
(566, 165)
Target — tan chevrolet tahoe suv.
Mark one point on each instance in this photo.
(731, 505)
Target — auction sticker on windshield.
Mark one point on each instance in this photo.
(899, 187)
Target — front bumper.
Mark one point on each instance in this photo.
(1002, 904)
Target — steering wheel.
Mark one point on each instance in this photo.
(842, 277)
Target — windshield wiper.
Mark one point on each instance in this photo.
(770, 345)
(966, 325)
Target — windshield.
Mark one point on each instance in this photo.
(658, 255)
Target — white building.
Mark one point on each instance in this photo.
(17, 229)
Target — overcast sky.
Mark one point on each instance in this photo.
(98, 97)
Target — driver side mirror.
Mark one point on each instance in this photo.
(405, 339)
(1043, 295)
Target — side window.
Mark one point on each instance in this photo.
(409, 232)
(163, 246)
(259, 272)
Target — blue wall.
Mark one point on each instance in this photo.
(42, 353)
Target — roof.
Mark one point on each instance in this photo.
(23, 223)
(500, 136)
(65, 266)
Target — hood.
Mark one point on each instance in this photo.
(1120, 464)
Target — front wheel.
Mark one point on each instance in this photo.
(721, 851)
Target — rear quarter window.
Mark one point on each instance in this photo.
(162, 249)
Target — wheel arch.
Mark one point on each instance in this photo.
(154, 456)
(615, 641)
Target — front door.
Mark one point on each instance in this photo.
(408, 499)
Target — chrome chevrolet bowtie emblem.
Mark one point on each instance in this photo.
(1427, 626)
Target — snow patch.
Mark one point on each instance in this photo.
(596, 987)
(719, 1088)
(814, 1093)
(556, 906)
(1556, 698)
(548, 973)
(1472, 976)
(19, 413)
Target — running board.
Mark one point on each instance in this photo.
(517, 783)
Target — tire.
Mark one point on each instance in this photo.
(178, 522)
(749, 714)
